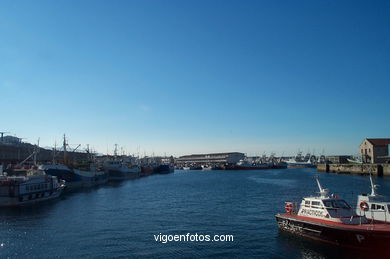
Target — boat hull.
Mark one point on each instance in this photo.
(76, 179)
(147, 170)
(29, 199)
(367, 237)
(249, 167)
(119, 175)
(164, 169)
(297, 165)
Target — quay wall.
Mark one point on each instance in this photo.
(375, 169)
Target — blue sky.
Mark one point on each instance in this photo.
(180, 77)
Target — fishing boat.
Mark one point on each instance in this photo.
(118, 171)
(243, 165)
(206, 167)
(301, 162)
(164, 169)
(374, 206)
(34, 187)
(355, 160)
(147, 170)
(330, 219)
(90, 174)
(76, 175)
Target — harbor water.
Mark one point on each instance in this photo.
(122, 219)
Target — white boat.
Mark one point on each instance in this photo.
(300, 161)
(35, 187)
(355, 160)
(374, 206)
(206, 167)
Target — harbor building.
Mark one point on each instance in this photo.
(214, 158)
(375, 150)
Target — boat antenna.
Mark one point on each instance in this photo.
(323, 192)
(373, 186)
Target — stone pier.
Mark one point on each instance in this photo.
(375, 169)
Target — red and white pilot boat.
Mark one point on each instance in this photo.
(330, 219)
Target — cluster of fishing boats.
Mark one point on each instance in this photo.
(261, 163)
(45, 182)
(24, 184)
(328, 218)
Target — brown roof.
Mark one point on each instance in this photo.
(379, 141)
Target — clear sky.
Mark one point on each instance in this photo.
(181, 77)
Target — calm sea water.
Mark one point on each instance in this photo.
(121, 220)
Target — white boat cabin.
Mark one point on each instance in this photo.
(374, 206)
(327, 207)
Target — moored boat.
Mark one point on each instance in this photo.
(147, 170)
(374, 206)
(330, 219)
(164, 169)
(243, 165)
(63, 172)
(35, 187)
(118, 171)
(299, 161)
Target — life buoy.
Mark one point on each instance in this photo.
(363, 206)
(288, 207)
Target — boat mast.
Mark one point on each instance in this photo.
(116, 151)
(373, 187)
(54, 152)
(65, 155)
(36, 150)
(323, 191)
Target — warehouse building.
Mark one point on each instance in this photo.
(375, 150)
(214, 158)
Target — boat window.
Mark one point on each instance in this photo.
(338, 204)
(315, 204)
(307, 203)
(373, 206)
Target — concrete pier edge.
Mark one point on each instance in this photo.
(363, 169)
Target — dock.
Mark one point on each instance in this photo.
(362, 169)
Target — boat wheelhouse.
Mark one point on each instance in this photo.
(374, 206)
